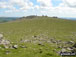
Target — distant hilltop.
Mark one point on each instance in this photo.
(34, 16)
(6, 19)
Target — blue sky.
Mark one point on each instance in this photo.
(56, 2)
(19, 8)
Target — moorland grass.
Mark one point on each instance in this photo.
(56, 28)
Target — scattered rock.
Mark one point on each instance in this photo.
(70, 42)
(48, 41)
(15, 46)
(53, 40)
(41, 44)
(34, 36)
(59, 46)
(5, 42)
(70, 49)
(74, 50)
(6, 47)
(63, 50)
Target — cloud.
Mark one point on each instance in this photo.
(36, 7)
(70, 3)
(5, 5)
(16, 5)
(63, 9)
(12, 11)
(45, 3)
(60, 12)
(23, 4)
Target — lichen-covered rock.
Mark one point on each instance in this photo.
(70, 42)
(70, 49)
(15, 46)
(63, 50)
(5, 42)
(6, 47)
(41, 44)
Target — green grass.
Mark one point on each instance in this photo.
(60, 29)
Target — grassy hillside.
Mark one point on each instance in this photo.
(45, 28)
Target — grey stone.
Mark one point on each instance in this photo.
(70, 49)
(70, 42)
(5, 46)
(5, 42)
(41, 44)
(15, 46)
(63, 50)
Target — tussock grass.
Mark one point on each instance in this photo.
(59, 29)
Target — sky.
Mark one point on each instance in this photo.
(19, 8)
